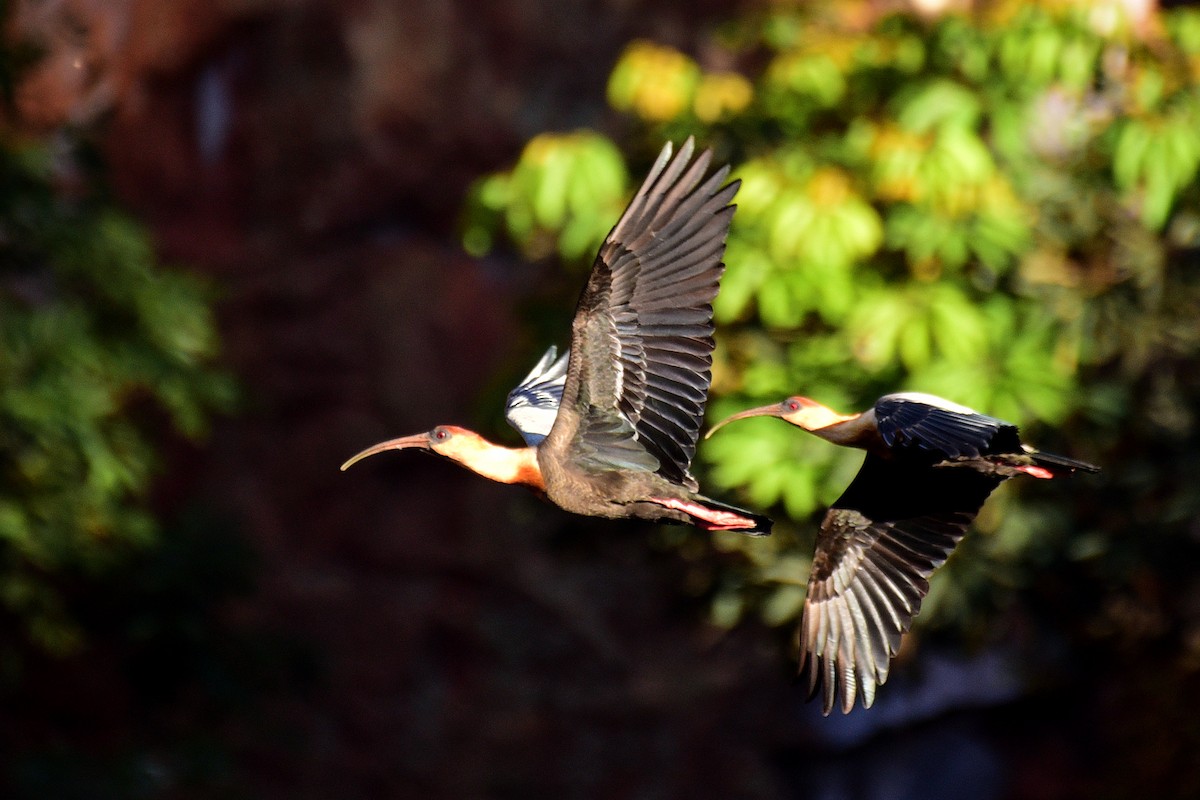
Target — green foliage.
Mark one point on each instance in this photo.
(556, 188)
(997, 208)
(102, 353)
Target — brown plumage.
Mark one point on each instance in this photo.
(930, 465)
(636, 382)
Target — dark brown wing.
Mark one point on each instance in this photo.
(641, 347)
(895, 524)
(911, 421)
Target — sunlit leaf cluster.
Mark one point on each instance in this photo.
(994, 207)
(562, 195)
(102, 354)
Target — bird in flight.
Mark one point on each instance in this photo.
(611, 427)
(930, 465)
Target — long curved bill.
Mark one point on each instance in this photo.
(773, 410)
(419, 440)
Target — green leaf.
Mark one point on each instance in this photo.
(1132, 144)
(745, 268)
(941, 103)
(789, 223)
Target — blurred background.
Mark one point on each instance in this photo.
(242, 239)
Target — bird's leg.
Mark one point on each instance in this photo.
(709, 519)
(1004, 465)
(1037, 472)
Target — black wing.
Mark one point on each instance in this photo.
(895, 524)
(533, 403)
(942, 428)
(641, 347)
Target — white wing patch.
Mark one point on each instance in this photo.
(933, 400)
(533, 404)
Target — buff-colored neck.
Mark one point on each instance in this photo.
(516, 465)
(856, 430)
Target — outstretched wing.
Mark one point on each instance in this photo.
(945, 429)
(879, 543)
(641, 347)
(533, 403)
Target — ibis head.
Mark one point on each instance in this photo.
(440, 440)
(799, 411)
(503, 464)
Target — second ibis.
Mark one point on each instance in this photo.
(930, 465)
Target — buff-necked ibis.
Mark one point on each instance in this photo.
(612, 432)
(930, 465)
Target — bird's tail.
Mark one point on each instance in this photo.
(1059, 465)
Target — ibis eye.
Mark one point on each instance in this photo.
(791, 405)
(439, 434)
